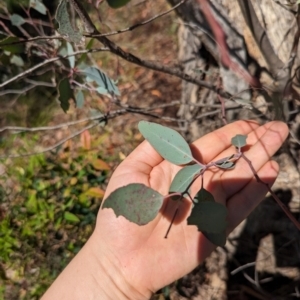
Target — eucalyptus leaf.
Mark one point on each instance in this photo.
(208, 216)
(103, 81)
(71, 58)
(17, 20)
(17, 60)
(65, 94)
(8, 45)
(204, 195)
(184, 177)
(79, 98)
(239, 140)
(65, 26)
(219, 239)
(136, 202)
(167, 142)
(38, 6)
(226, 165)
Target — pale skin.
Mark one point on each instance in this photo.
(122, 260)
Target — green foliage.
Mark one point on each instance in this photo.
(50, 214)
(65, 94)
(141, 204)
(65, 26)
(208, 216)
(16, 20)
(9, 44)
(239, 140)
(167, 142)
(104, 83)
(136, 202)
(184, 177)
(38, 6)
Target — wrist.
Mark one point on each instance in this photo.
(92, 274)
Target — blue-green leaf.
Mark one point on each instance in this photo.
(17, 60)
(226, 165)
(65, 26)
(167, 142)
(38, 6)
(184, 177)
(79, 99)
(71, 58)
(208, 216)
(219, 239)
(103, 81)
(239, 140)
(136, 202)
(117, 3)
(16, 20)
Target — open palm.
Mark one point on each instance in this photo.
(147, 260)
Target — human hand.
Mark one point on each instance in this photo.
(130, 261)
(147, 260)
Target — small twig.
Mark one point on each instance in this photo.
(132, 27)
(222, 104)
(279, 202)
(47, 128)
(53, 146)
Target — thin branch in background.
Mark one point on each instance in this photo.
(132, 27)
(27, 88)
(48, 61)
(115, 49)
(53, 146)
(18, 129)
(222, 103)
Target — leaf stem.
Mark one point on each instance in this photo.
(172, 221)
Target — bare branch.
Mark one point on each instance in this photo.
(53, 146)
(132, 27)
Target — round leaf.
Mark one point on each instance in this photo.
(204, 195)
(136, 202)
(167, 142)
(208, 216)
(184, 177)
(239, 140)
